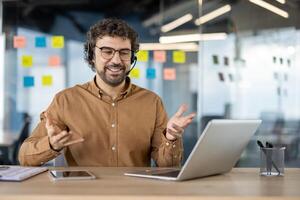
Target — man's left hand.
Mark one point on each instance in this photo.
(178, 123)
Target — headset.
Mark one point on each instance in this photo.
(133, 58)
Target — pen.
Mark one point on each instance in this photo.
(268, 158)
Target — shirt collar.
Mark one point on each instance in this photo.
(95, 89)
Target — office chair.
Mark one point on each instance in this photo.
(23, 135)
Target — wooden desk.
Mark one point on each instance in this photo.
(241, 183)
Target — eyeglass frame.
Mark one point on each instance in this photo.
(114, 52)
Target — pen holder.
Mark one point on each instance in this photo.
(272, 161)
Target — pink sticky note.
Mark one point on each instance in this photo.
(170, 74)
(159, 56)
(54, 61)
(19, 41)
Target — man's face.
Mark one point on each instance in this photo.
(112, 66)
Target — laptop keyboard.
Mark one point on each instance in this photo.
(168, 174)
(18, 173)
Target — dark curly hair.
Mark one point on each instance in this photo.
(108, 27)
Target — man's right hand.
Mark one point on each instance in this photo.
(59, 138)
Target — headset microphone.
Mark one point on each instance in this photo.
(133, 62)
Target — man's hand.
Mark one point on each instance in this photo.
(59, 138)
(178, 122)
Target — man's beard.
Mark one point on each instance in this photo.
(111, 80)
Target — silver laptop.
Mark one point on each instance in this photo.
(217, 150)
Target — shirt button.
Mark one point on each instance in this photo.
(167, 143)
(99, 96)
(113, 148)
(113, 125)
(174, 145)
(113, 104)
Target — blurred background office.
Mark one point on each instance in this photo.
(231, 59)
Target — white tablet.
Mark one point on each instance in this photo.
(71, 175)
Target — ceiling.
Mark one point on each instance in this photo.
(42, 13)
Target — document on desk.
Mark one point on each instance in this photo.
(19, 173)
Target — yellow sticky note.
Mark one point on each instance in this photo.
(170, 74)
(135, 73)
(58, 42)
(178, 56)
(143, 56)
(27, 61)
(47, 80)
(19, 42)
(159, 56)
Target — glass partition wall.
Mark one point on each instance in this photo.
(226, 59)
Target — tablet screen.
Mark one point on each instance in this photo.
(69, 174)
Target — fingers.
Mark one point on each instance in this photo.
(60, 137)
(177, 128)
(75, 138)
(188, 119)
(73, 141)
(64, 139)
(181, 110)
(51, 126)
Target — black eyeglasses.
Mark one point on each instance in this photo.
(108, 53)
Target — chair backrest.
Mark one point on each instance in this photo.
(23, 135)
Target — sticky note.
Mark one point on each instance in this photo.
(135, 73)
(28, 81)
(143, 56)
(47, 80)
(40, 42)
(58, 42)
(150, 73)
(27, 61)
(159, 56)
(169, 74)
(54, 61)
(19, 42)
(178, 56)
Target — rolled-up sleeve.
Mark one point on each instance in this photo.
(164, 152)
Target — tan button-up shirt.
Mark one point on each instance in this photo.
(127, 131)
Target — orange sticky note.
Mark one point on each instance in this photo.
(178, 56)
(27, 61)
(135, 73)
(19, 41)
(54, 61)
(58, 42)
(170, 74)
(159, 56)
(47, 80)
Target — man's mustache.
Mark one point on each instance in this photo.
(117, 66)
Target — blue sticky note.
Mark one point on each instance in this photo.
(40, 41)
(28, 81)
(151, 73)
